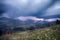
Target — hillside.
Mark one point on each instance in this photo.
(48, 33)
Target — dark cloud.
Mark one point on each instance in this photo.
(26, 7)
(16, 8)
(51, 11)
(2, 7)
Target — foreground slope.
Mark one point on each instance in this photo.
(48, 33)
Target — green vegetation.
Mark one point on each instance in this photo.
(48, 33)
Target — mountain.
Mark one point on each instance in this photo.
(6, 23)
(15, 22)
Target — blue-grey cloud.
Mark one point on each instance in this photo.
(53, 10)
(38, 8)
(25, 7)
(2, 7)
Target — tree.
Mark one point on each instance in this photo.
(58, 22)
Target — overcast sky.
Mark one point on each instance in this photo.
(37, 8)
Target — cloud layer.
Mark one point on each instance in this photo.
(24, 18)
(35, 19)
(25, 7)
(37, 8)
(53, 10)
(2, 7)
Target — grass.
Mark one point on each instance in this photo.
(48, 33)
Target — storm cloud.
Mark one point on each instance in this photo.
(37, 8)
(53, 10)
(2, 7)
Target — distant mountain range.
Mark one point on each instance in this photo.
(6, 23)
(9, 21)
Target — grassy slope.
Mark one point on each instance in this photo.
(50, 33)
